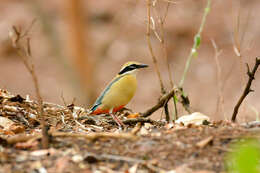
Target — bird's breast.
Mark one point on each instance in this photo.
(120, 92)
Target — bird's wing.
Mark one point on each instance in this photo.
(100, 98)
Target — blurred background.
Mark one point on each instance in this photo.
(79, 46)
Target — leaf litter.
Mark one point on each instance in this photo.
(94, 144)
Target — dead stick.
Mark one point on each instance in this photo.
(148, 34)
(21, 138)
(247, 90)
(160, 104)
(25, 53)
(93, 136)
(141, 120)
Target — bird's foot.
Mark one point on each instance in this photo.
(119, 122)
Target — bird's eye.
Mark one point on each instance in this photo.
(134, 66)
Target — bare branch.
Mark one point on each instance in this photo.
(24, 51)
(148, 37)
(220, 100)
(247, 90)
(163, 100)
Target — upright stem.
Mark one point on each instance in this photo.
(196, 43)
(148, 34)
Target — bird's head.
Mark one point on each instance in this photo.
(131, 67)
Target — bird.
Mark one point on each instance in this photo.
(119, 92)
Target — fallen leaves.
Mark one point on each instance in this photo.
(9, 127)
(89, 144)
(5, 123)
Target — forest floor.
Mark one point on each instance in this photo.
(78, 143)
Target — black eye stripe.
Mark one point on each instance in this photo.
(128, 68)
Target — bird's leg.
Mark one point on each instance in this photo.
(117, 120)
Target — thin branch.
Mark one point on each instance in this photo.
(220, 100)
(185, 101)
(239, 35)
(103, 157)
(91, 136)
(247, 90)
(29, 28)
(161, 21)
(148, 37)
(166, 12)
(163, 45)
(160, 104)
(141, 120)
(25, 54)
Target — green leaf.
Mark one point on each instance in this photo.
(244, 158)
(197, 40)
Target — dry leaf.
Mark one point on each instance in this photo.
(195, 118)
(148, 126)
(17, 128)
(144, 131)
(133, 169)
(5, 122)
(77, 158)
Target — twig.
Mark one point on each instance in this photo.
(82, 126)
(196, 43)
(26, 32)
(166, 110)
(91, 136)
(160, 104)
(124, 159)
(21, 138)
(239, 35)
(163, 45)
(148, 34)
(161, 38)
(137, 128)
(164, 48)
(220, 100)
(115, 157)
(25, 53)
(185, 101)
(247, 90)
(141, 120)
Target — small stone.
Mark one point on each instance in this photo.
(77, 158)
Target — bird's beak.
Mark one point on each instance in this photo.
(142, 66)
